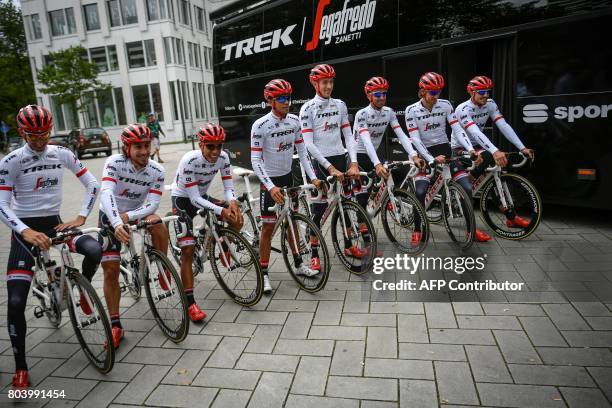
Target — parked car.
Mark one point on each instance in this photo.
(60, 140)
(14, 143)
(90, 140)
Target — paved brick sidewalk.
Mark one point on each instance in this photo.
(350, 346)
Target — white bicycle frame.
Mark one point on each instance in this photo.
(282, 212)
(386, 189)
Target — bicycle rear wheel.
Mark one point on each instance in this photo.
(459, 217)
(356, 232)
(166, 296)
(399, 219)
(236, 267)
(523, 201)
(90, 323)
(250, 230)
(304, 228)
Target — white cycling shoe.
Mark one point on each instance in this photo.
(267, 285)
(306, 271)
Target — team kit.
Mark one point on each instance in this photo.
(337, 160)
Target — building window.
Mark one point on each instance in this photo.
(147, 98)
(173, 87)
(110, 103)
(207, 57)
(190, 53)
(122, 12)
(196, 102)
(178, 45)
(211, 100)
(202, 96)
(184, 14)
(168, 50)
(112, 57)
(62, 22)
(32, 24)
(120, 107)
(92, 20)
(158, 9)
(186, 100)
(141, 54)
(199, 18)
(196, 56)
(98, 57)
(173, 49)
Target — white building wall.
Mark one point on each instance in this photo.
(125, 78)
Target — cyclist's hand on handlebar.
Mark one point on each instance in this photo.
(235, 212)
(277, 195)
(316, 183)
(335, 173)
(36, 238)
(500, 158)
(441, 159)
(529, 153)
(420, 163)
(353, 171)
(77, 222)
(381, 171)
(122, 233)
(477, 158)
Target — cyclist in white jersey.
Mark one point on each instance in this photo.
(31, 181)
(473, 115)
(194, 174)
(131, 191)
(426, 123)
(273, 138)
(324, 121)
(370, 125)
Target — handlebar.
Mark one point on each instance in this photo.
(63, 236)
(524, 160)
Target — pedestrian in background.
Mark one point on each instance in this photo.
(155, 127)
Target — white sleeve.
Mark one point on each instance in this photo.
(413, 131)
(458, 131)
(504, 127)
(397, 129)
(88, 180)
(228, 183)
(349, 140)
(363, 132)
(471, 128)
(306, 123)
(303, 155)
(7, 181)
(107, 194)
(257, 142)
(152, 201)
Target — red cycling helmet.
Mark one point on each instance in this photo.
(478, 83)
(34, 119)
(135, 133)
(431, 81)
(376, 83)
(277, 87)
(322, 71)
(211, 133)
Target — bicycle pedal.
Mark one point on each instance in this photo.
(89, 322)
(123, 288)
(38, 312)
(164, 295)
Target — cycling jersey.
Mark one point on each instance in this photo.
(31, 184)
(272, 142)
(323, 121)
(370, 126)
(428, 128)
(473, 119)
(194, 175)
(128, 190)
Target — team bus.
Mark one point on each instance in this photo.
(550, 62)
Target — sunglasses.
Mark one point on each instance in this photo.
(379, 94)
(484, 92)
(38, 136)
(434, 93)
(283, 98)
(211, 146)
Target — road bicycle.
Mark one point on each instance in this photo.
(455, 207)
(142, 263)
(503, 195)
(61, 286)
(233, 261)
(402, 213)
(299, 233)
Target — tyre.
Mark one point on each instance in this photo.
(93, 331)
(523, 200)
(79, 155)
(166, 296)
(304, 206)
(109, 152)
(250, 230)
(304, 228)
(434, 212)
(94, 154)
(400, 218)
(129, 266)
(349, 234)
(459, 218)
(242, 279)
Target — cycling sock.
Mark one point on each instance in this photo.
(91, 249)
(297, 259)
(314, 246)
(17, 298)
(264, 267)
(115, 322)
(189, 294)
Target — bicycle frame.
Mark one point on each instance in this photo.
(282, 213)
(386, 188)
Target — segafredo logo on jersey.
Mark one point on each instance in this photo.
(538, 112)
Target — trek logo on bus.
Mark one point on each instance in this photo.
(538, 112)
(341, 26)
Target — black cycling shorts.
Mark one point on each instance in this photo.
(340, 163)
(266, 201)
(111, 246)
(183, 207)
(444, 149)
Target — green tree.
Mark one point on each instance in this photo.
(71, 78)
(16, 85)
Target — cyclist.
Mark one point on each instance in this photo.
(131, 191)
(324, 121)
(473, 115)
(273, 137)
(193, 177)
(369, 128)
(30, 199)
(426, 123)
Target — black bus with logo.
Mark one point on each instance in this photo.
(550, 62)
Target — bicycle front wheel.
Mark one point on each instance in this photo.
(304, 228)
(523, 203)
(166, 296)
(353, 237)
(250, 230)
(236, 267)
(90, 323)
(458, 215)
(402, 217)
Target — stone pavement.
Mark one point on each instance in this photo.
(549, 345)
